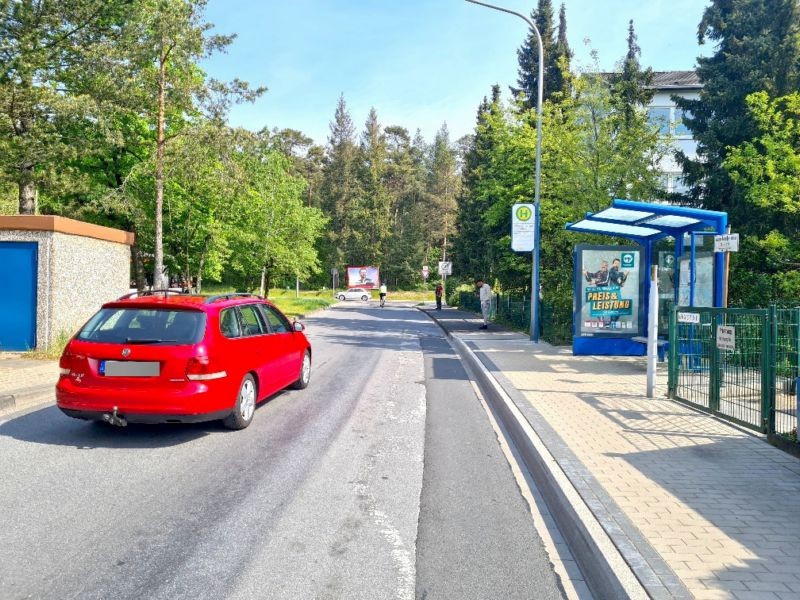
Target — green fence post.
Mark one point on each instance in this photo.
(672, 372)
(714, 376)
(769, 370)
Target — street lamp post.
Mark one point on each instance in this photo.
(538, 179)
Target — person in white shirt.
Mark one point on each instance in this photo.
(485, 291)
(382, 293)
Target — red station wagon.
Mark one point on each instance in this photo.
(180, 359)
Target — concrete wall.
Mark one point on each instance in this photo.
(85, 273)
(76, 275)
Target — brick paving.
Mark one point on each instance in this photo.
(719, 505)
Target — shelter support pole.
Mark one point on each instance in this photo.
(727, 274)
(652, 332)
(692, 267)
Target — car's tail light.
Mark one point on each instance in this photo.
(68, 362)
(203, 369)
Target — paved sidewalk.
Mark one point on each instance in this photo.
(703, 503)
(25, 383)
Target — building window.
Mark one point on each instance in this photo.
(681, 130)
(673, 183)
(669, 120)
(660, 116)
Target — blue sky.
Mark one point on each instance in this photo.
(418, 62)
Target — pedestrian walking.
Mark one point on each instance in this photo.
(485, 294)
(382, 293)
(439, 291)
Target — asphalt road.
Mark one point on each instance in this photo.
(384, 479)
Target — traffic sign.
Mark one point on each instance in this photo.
(726, 243)
(425, 272)
(445, 267)
(523, 227)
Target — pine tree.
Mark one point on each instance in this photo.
(373, 217)
(406, 180)
(340, 190)
(528, 55)
(563, 58)
(557, 56)
(757, 49)
(472, 246)
(632, 88)
(443, 187)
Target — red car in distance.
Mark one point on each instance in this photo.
(161, 358)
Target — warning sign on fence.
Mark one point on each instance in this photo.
(726, 337)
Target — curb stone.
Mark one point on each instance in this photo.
(607, 573)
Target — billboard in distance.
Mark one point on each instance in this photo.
(363, 277)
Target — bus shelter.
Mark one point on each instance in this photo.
(612, 281)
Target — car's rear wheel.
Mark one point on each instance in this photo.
(305, 373)
(365, 297)
(245, 406)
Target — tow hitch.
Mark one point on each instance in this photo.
(114, 419)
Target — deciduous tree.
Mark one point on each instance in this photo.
(46, 49)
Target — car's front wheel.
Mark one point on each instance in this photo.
(342, 298)
(305, 373)
(365, 298)
(245, 406)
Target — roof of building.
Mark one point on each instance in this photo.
(56, 224)
(676, 79)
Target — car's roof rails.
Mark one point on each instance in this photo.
(219, 297)
(165, 292)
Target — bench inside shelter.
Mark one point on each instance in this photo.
(662, 346)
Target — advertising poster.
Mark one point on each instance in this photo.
(609, 291)
(363, 277)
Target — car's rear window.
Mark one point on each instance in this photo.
(144, 326)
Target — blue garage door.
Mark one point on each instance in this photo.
(18, 295)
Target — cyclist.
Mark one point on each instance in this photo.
(382, 294)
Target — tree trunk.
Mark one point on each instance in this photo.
(267, 281)
(27, 193)
(199, 282)
(262, 289)
(138, 267)
(158, 267)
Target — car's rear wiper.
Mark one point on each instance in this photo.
(148, 341)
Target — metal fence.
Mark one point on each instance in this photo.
(515, 311)
(785, 340)
(749, 378)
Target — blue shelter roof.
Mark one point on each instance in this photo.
(645, 221)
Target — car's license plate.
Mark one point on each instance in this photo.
(129, 368)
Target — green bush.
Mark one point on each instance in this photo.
(455, 291)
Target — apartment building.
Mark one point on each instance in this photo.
(669, 118)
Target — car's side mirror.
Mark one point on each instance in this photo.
(298, 326)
